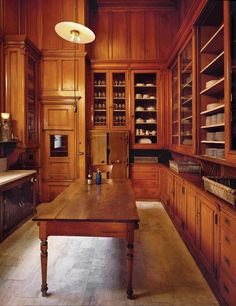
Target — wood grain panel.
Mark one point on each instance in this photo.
(61, 117)
(120, 36)
(66, 13)
(67, 76)
(50, 17)
(50, 76)
(166, 34)
(33, 25)
(100, 24)
(137, 35)
(11, 17)
(52, 189)
(151, 45)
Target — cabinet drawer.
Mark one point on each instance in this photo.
(228, 222)
(145, 184)
(144, 175)
(227, 290)
(228, 240)
(145, 168)
(228, 262)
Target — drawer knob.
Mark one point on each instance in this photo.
(227, 239)
(227, 221)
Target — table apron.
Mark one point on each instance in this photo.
(91, 229)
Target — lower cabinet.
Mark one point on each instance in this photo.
(145, 180)
(227, 257)
(208, 227)
(208, 237)
(17, 204)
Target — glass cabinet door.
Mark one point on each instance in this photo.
(232, 11)
(174, 106)
(186, 95)
(100, 99)
(145, 108)
(119, 108)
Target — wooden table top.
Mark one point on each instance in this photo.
(112, 201)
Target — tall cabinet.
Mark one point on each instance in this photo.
(22, 94)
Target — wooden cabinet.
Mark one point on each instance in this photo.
(110, 148)
(174, 117)
(145, 180)
(110, 107)
(211, 81)
(179, 209)
(208, 236)
(227, 257)
(230, 67)
(17, 204)
(170, 191)
(146, 107)
(182, 114)
(191, 214)
(21, 89)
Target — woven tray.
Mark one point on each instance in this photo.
(184, 166)
(224, 188)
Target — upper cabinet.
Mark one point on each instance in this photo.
(182, 100)
(211, 72)
(21, 90)
(146, 109)
(186, 95)
(110, 107)
(230, 67)
(174, 106)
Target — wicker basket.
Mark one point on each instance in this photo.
(224, 188)
(184, 166)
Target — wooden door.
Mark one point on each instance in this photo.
(208, 238)
(170, 192)
(118, 152)
(98, 147)
(179, 202)
(191, 215)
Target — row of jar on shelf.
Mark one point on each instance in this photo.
(120, 95)
(116, 106)
(102, 119)
(103, 82)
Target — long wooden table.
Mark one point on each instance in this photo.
(106, 210)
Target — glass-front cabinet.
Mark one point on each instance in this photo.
(230, 30)
(110, 108)
(182, 100)
(174, 105)
(145, 93)
(211, 87)
(186, 96)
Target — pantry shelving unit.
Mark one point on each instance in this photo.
(211, 72)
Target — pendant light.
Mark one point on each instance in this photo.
(77, 34)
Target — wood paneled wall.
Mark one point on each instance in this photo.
(144, 35)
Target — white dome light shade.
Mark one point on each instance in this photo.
(74, 32)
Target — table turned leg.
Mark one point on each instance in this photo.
(44, 259)
(130, 256)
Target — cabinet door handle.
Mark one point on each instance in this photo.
(227, 221)
(226, 288)
(227, 261)
(227, 239)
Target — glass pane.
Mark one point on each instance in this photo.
(145, 95)
(186, 95)
(58, 145)
(233, 75)
(175, 120)
(100, 102)
(31, 112)
(119, 99)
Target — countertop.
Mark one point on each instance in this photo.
(12, 175)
